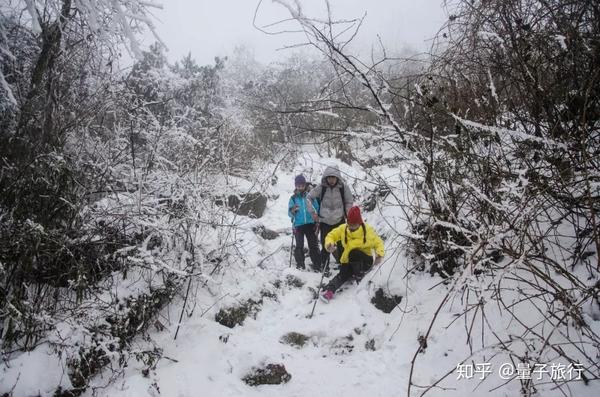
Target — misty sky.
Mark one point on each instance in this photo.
(210, 28)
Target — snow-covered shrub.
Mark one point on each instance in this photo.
(106, 182)
(500, 140)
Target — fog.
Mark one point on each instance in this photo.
(213, 28)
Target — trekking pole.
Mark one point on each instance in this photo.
(320, 283)
(292, 245)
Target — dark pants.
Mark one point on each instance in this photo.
(313, 245)
(360, 263)
(325, 228)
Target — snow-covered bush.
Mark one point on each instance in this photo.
(499, 138)
(107, 181)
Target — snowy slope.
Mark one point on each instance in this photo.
(353, 348)
(337, 360)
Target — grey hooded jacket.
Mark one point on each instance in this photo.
(332, 208)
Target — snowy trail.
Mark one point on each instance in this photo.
(334, 361)
(353, 348)
(348, 351)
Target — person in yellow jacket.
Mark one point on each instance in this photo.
(356, 242)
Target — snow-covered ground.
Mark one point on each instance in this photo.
(212, 359)
(353, 349)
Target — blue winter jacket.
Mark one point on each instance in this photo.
(305, 208)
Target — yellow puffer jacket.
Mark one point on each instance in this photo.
(355, 240)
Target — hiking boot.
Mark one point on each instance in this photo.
(326, 296)
(300, 266)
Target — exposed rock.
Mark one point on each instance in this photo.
(295, 339)
(232, 316)
(370, 344)
(293, 281)
(384, 302)
(251, 204)
(272, 374)
(265, 233)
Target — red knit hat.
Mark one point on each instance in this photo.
(354, 216)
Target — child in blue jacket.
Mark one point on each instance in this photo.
(303, 213)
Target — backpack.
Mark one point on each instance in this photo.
(343, 201)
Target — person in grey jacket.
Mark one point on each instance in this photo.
(335, 199)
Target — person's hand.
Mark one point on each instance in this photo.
(378, 260)
(330, 247)
(294, 209)
(315, 217)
